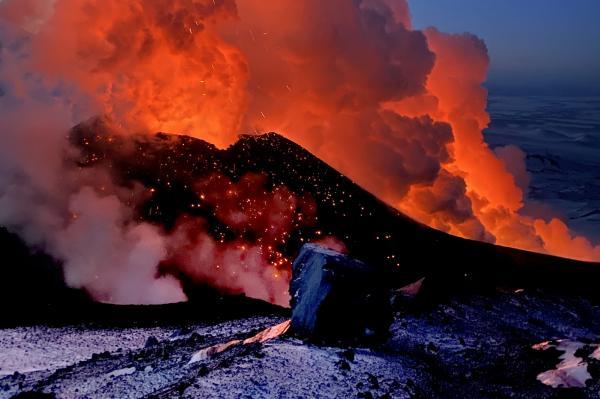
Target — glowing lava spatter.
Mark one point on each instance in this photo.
(261, 222)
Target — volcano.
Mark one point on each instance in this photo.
(173, 169)
(375, 244)
(370, 230)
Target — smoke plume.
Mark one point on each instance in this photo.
(400, 111)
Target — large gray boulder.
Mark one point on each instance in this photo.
(335, 297)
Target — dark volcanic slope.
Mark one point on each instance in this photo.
(32, 283)
(370, 229)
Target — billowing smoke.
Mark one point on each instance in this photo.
(156, 65)
(77, 216)
(495, 182)
(399, 111)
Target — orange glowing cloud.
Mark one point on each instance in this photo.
(400, 111)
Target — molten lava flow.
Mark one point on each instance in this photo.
(265, 335)
(399, 111)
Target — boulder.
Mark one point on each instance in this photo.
(335, 297)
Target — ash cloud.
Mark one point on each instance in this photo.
(319, 72)
(399, 111)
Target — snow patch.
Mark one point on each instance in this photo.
(572, 371)
(121, 372)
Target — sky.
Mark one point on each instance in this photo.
(536, 46)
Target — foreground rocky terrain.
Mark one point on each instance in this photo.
(466, 347)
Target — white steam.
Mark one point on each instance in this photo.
(54, 206)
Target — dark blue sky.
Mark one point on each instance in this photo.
(536, 46)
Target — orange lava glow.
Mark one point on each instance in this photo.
(261, 221)
(399, 111)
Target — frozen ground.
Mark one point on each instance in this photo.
(471, 347)
(561, 136)
(37, 348)
(26, 349)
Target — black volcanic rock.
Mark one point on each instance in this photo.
(337, 298)
(371, 230)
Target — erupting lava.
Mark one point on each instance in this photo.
(261, 221)
(399, 111)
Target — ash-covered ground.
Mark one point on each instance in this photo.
(467, 347)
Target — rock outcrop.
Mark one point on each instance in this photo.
(335, 297)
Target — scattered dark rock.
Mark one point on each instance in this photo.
(373, 381)
(348, 354)
(203, 371)
(585, 351)
(101, 355)
(196, 338)
(344, 365)
(594, 368)
(34, 395)
(335, 297)
(151, 341)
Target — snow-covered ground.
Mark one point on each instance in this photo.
(561, 136)
(25, 349)
(47, 348)
(471, 347)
